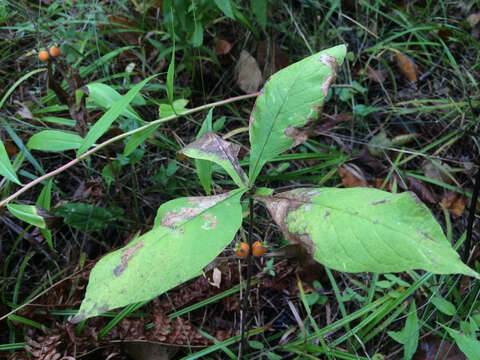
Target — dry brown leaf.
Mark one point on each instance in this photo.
(454, 203)
(473, 19)
(438, 171)
(222, 47)
(420, 189)
(407, 67)
(10, 147)
(352, 176)
(431, 348)
(247, 73)
(374, 75)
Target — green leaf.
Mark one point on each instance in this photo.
(204, 167)
(44, 200)
(106, 96)
(31, 214)
(54, 140)
(470, 346)
(87, 216)
(102, 125)
(226, 7)
(411, 332)
(6, 168)
(408, 336)
(197, 37)
(292, 97)
(259, 8)
(255, 344)
(364, 229)
(166, 110)
(188, 234)
(170, 75)
(444, 306)
(213, 148)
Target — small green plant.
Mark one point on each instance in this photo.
(350, 230)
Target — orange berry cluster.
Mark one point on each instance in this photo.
(243, 249)
(54, 51)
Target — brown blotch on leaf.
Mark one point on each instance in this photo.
(281, 205)
(211, 143)
(331, 62)
(127, 254)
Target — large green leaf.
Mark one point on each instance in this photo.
(289, 99)
(6, 168)
(54, 140)
(363, 229)
(188, 234)
(213, 148)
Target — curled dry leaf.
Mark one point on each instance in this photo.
(454, 203)
(420, 189)
(352, 176)
(247, 73)
(212, 147)
(407, 67)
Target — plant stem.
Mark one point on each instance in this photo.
(120, 137)
(244, 307)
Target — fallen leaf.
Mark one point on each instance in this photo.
(420, 189)
(222, 47)
(438, 171)
(24, 111)
(215, 277)
(271, 59)
(407, 66)
(247, 73)
(10, 147)
(431, 348)
(454, 203)
(352, 176)
(473, 19)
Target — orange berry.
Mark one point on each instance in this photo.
(55, 51)
(258, 249)
(43, 55)
(242, 250)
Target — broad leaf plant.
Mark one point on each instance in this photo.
(350, 230)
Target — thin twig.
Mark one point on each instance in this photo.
(116, 138)
(471, 217)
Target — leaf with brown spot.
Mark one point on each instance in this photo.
(224, 153)
(365, 229)
(407, 67)
(247, 73)
(187, 235)
(290, 99)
